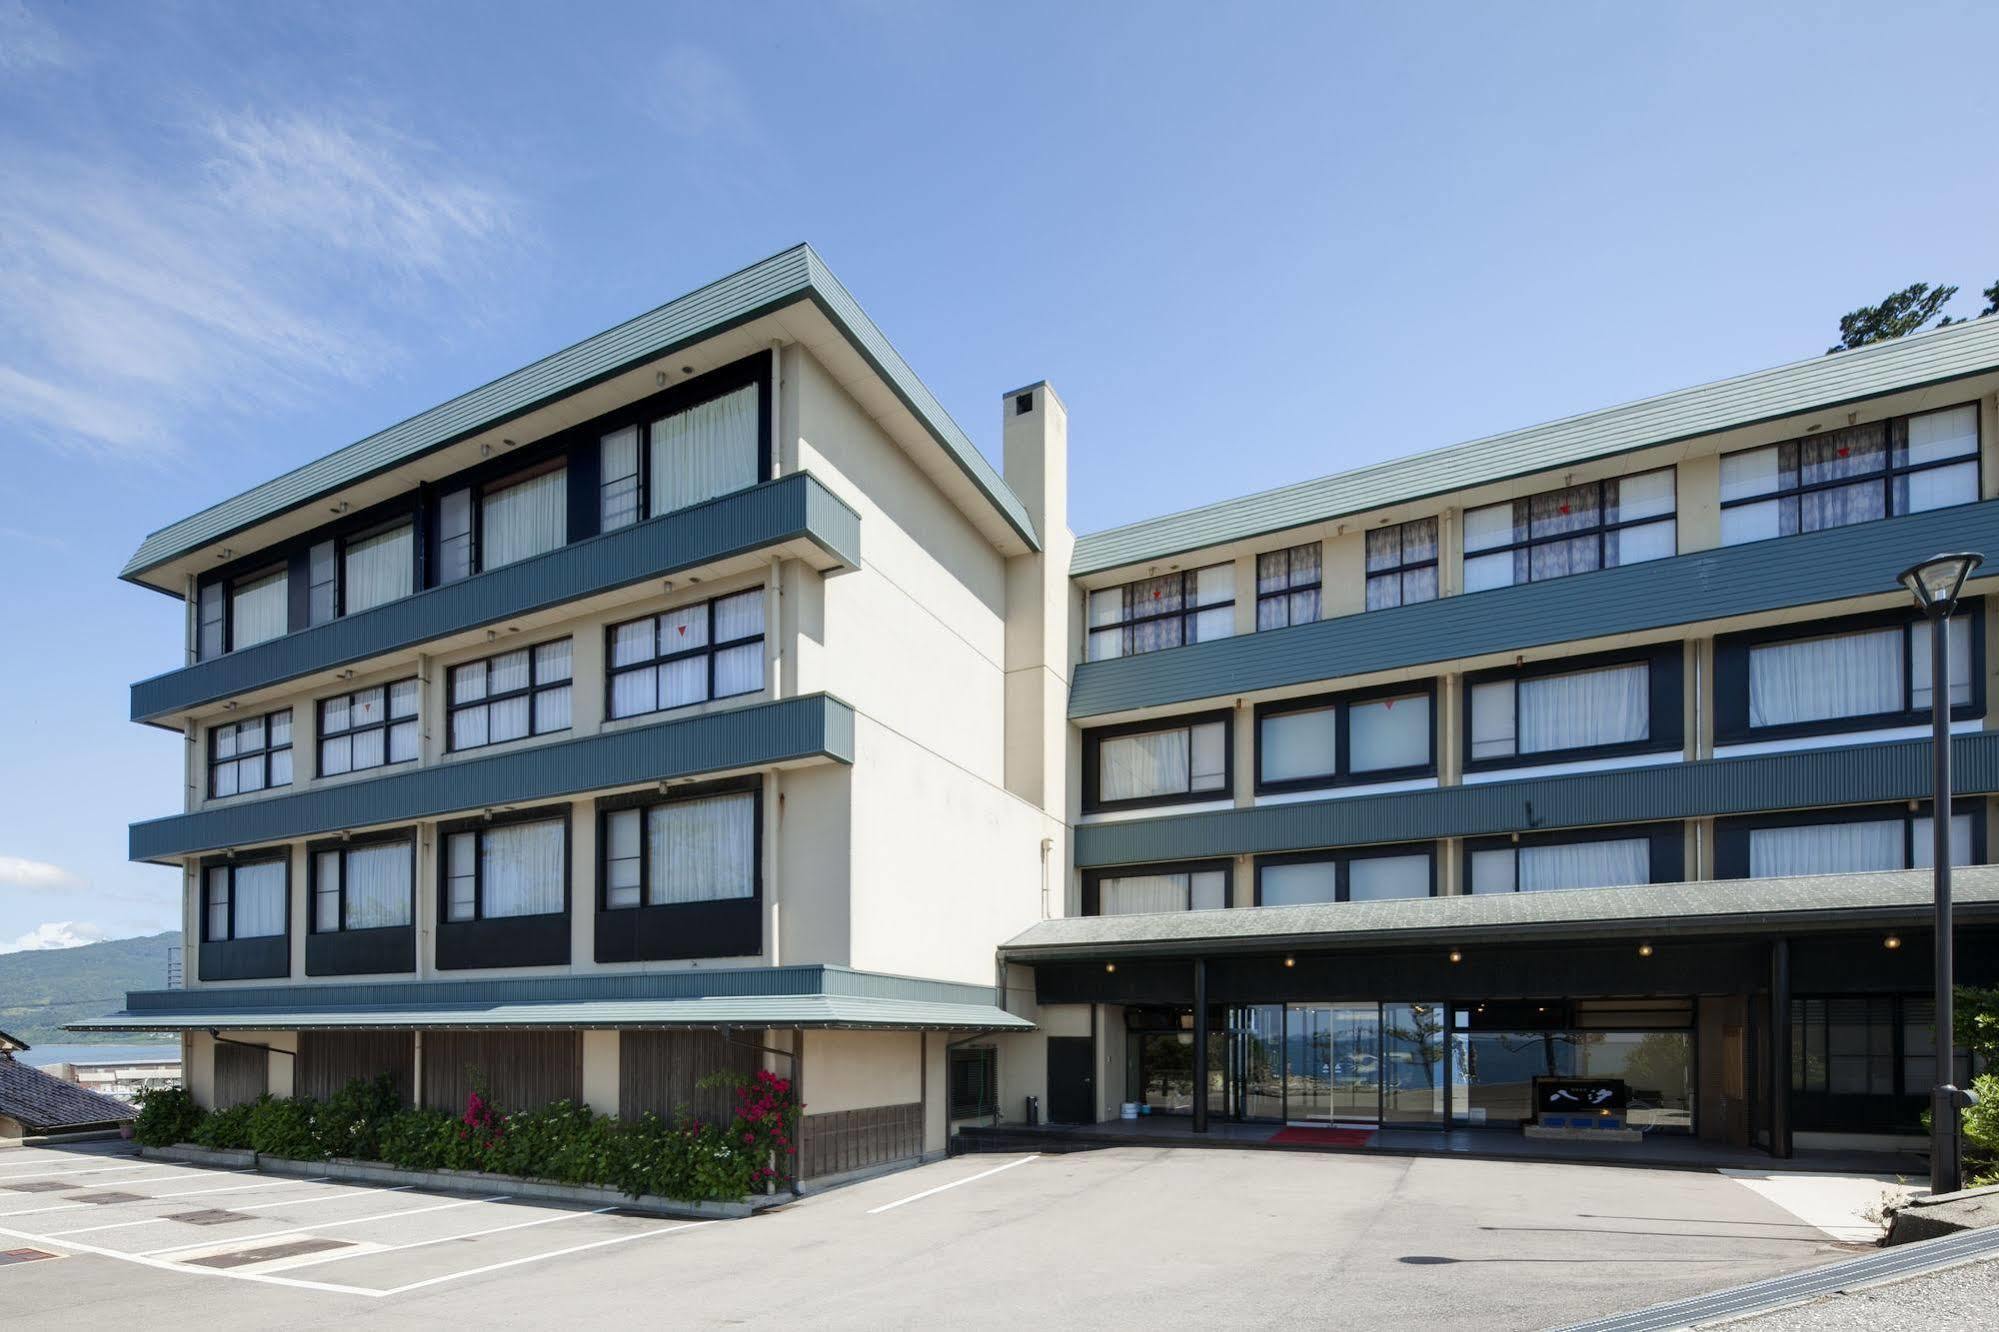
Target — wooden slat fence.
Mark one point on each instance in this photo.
(519, 1070)
(659, 1070)
(842, 1140)
(241, 1074)
(328, 1060)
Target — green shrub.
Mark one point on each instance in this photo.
(418, 1139)
(563, 1141)
(1981, 1132)
(285, 1128)
(349, 1123)
(167, 1115)
(225, 1130)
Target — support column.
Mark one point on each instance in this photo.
(1200, 1045)
(1780, 1049)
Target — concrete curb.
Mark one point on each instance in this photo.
(1929, 1216)
(465, 1181)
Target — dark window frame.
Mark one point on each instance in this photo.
(481, 825)
(321, 735)
(532, 691)
(1094, 877)
(1887, 475)
(1404, 566)
(267, 856)
(1128, 622)
(1342, 858)
(359, 841)
(1668, 850)
(1290, 589)
(1092, 767)
(268, 749)
(645, 801)
(750, 371)
(1732, 835)
(1343, 701)
(1666, 664)
(1732, 667)
(979, 1062)
(340, 540)
(711, 649)
(1601, 529)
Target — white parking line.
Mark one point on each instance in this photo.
(888, 1207)
(39, 1173)
(300, 1230)
(171, 1174)
(539, 1257)
(179, 1193)
(237, 1207)
(446, 1239)
(80, 1246)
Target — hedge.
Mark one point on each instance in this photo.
(686, 1159)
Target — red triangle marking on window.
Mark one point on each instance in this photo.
(1565, 508)
(681, 630)
(1843, 452)
(1389, 704)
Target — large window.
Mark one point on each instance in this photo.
(368, 728)
(1860, 673)
(363, 887)
(348, 575)
(1596, 525)
(1868, 1045)
(1162, 612)
(259, 608)
(250, 755)
(1562, 710)
(1372, 874)
(680, 851)
(1844, 841)
(1141, 889)
(1371, 736)
(1287, 587)
(501, 522)
(1851, 475)
(1402, 564)
(711, 649)
(974, 1079)
(513, 869)
(1548, 862)
(1148, 763)
(244, 900)
(518, 693)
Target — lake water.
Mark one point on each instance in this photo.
(41, 1056)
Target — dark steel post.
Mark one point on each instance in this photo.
(1200, 1045)
(1780, 1049)
(1945, 1174)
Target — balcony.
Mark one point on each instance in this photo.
(795, 515)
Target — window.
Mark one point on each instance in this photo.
(1376, 874)
(348, 575)
(211, 632)
(1157, 763)
(673, 852)
(1873, 671)
(1597, 525)
(1574, 710)
(1287, 587)
(1162, 612)
(245, 901)
(1881, 469)
(367, 887)
(513, 869)
(250, 755)
(1845, 841)
(974, 1082)
(368, 728)
(1551, 861)
(707, 450)
(1195, 886)
(1402, 564)
(711, 649)
(259, 608)
(1377, 735)
(490, 526)
(1869, 1045)
(524, 692)
(618, 488)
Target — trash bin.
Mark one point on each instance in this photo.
(1033, 1110)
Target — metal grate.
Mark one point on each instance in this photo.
(39, 1186)
(207, 1216)
(22, 1256)
(106, 1199)
(270, 1253)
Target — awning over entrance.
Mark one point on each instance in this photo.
(808, 997)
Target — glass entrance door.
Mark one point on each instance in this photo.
(1333, 1072)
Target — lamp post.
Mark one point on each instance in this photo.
(1935, 584)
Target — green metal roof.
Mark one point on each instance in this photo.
(1726, 907)
(1824, 381)
(783, 279)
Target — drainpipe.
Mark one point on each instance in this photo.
(1047, 850)
(1200, 1045)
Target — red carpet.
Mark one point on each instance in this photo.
(1323, 1137)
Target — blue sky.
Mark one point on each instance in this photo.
(1248, 244)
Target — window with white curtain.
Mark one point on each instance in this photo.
(675, 852)
(366, 887)
(1879, 469)
(1402, 564)
(1606, 707)
(519, 693)
(368, 728)
(618, 486)
(253, 754)
(707, 450)
(244, 900)
(1578, 529)
(1325, 742)
(1287, 587)
(322, 587)
(1163, 612)
(1171, 762)
(377, 568)
(1552, 866)
(259, 608)
(1848, 846)
(1880, 673)
(710, 649)
(512, 869)
(519, 519)
(1373, 875)
(211, 622)
(1166, 890)
(456, 557)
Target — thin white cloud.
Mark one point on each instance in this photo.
(695, 94)
(27, 43)
(56, 934)
(39, 875)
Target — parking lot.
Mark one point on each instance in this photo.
(1123, 1236)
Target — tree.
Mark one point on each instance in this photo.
(1905, 311)
(1991, 295)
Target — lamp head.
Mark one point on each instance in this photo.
(1936, 581)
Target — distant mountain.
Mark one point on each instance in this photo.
(42, 989)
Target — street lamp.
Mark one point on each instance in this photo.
(1935, 584)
